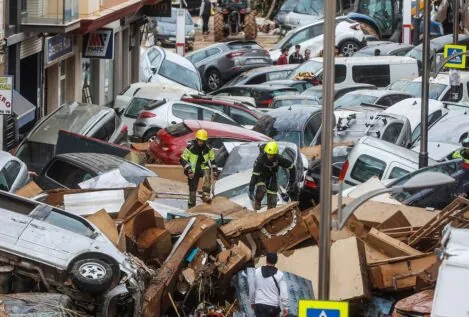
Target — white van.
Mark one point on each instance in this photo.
(376, 70)
(374, 157)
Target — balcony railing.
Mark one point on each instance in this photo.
(50, 12)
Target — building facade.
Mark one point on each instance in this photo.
(67, 50)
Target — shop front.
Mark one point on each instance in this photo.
(61, 63)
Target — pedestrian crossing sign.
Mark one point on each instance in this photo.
(458, 61)
(316, 308)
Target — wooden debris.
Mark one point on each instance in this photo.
(29, 190)
(138, 197)
(430, 233)
(104, 222)
(155, 242)
(388, 245)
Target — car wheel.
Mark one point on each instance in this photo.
(213, 80)
(348, 48)
(92, 276)
(149, 134)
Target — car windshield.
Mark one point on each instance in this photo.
(172, 18)
(288, 136)
(415, 87)
(291, 102)
(310, 66)
(241, 158)
(446, 168)
(180, 74)
(312, 7)
(350, 100)
(74, 117)
(313, 92)
(135, 106)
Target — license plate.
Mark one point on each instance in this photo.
(172, 39)
(255, 61)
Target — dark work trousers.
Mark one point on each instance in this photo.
(270, 187)
(262, 310)
(194, 183)
(205, 19)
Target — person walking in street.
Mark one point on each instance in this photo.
(296, 57)
(282, 60)
(268, 292)
(205, 12)
(307, 54)
(463, 153)
(264, 176)
(198, 161)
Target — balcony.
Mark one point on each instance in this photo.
(59, 16)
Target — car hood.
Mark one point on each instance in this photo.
(294, 19)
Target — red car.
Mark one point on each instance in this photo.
(171, 141)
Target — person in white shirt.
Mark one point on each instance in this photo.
(269, 292)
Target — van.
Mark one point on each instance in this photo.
(375, 157)
(380, 71)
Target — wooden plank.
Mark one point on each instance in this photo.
(399, 274)
(104, 222)
(397, 220)
(388, 245)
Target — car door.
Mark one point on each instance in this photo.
(13, 224)
(312, 130)
(182, 111)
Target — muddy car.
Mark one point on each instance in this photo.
(50, 250)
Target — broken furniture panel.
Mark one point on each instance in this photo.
(138, 196)
(389, 246)
(29, 190)
(154, 243)
(106, 224)
(399, 273)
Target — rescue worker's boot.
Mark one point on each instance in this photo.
(271, 201)
(192, 199)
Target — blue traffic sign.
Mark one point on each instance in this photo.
(315, 312)
(458, 61)
(316, 308)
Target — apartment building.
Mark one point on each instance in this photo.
(68, 50)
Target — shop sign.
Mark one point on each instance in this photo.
(6, 95)
(99, 44)
(58, 46)
(161, 9)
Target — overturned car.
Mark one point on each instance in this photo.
(47, 250)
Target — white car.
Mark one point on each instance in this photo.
(125, 96)
(13, 173)
(349, 38)
(145, 96)
(161, 66)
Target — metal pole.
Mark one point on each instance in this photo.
(456, 22)
(423, 155)
(326, 150)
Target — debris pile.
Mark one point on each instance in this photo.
(202, 259)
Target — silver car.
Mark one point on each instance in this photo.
(160, 114)
(13, 173)
(55, 247)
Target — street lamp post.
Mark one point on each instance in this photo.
(422, 180)
(423, 155)
(326, 149)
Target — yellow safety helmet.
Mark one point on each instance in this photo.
(271, 148)
(202, 135)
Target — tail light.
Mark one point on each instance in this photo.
(310, 183)
(343, 172)
(465, 166)
(266, 103)
(235, 54)
(124, 129)
(355, 26)
(146, 115)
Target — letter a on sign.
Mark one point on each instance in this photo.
(312, 308)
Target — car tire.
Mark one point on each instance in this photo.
(250, 27)
(149, 134)
(348, 48)
(92, 276)
(213, 78)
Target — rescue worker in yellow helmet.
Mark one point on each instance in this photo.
(198, 161)
(264, 176)
(463, 153)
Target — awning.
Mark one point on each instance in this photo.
(24, 110)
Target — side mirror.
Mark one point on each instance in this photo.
(119, 111)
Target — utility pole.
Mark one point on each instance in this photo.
(326, 150)
(423, 155)
(407, 21)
